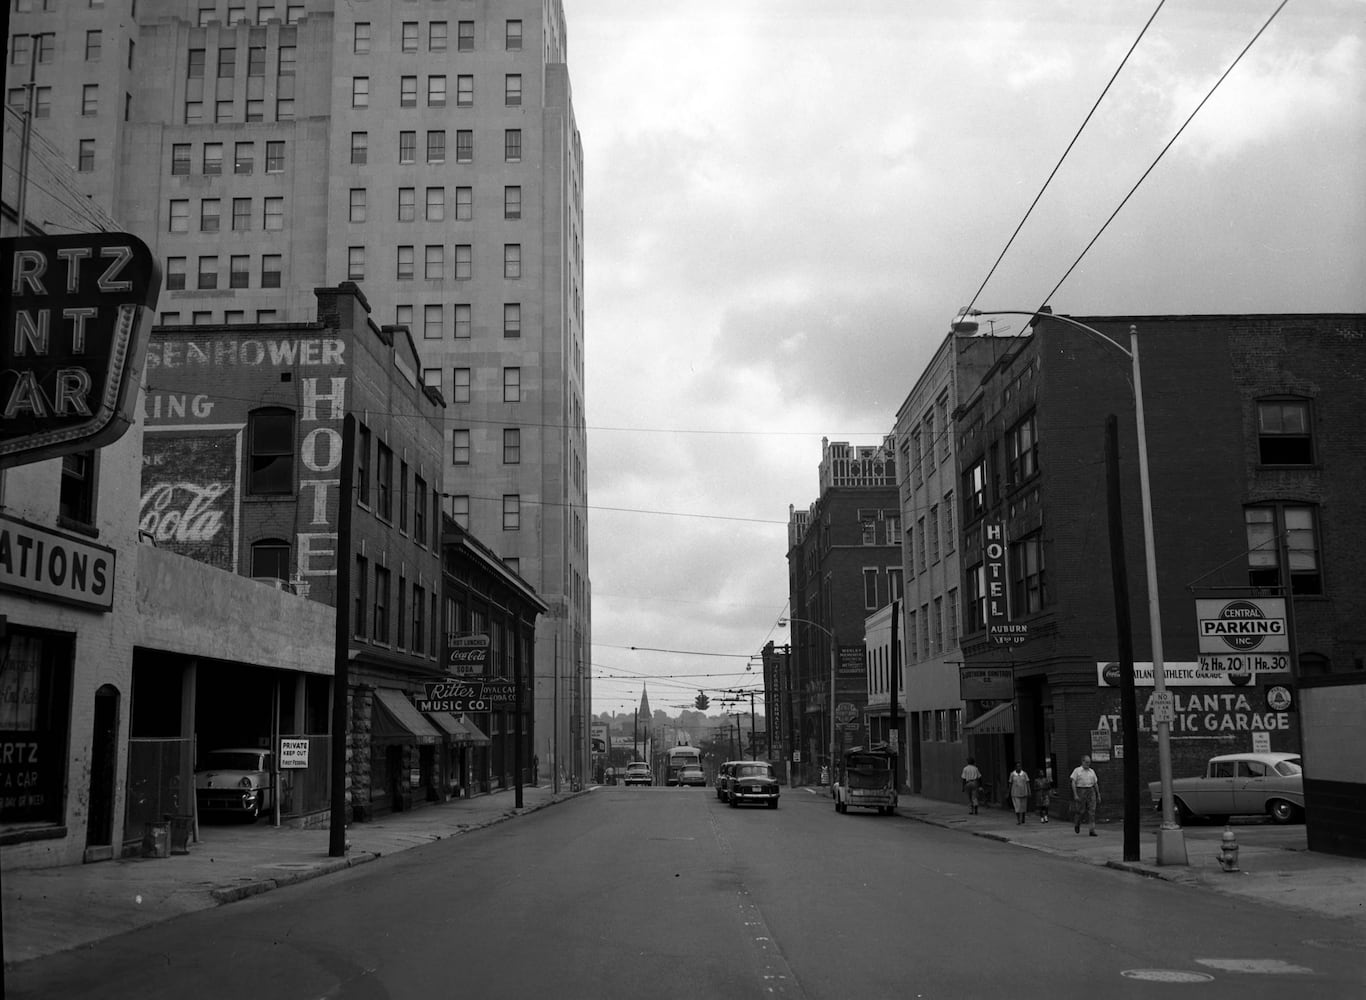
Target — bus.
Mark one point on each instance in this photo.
(678, 757)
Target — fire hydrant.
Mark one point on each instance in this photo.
(1228, 850)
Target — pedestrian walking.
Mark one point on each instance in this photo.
(1085, 796)
(1043, 794)
(972, 784)
(1019, 791)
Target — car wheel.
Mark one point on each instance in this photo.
(772, 804)
(732, 800)
(1282, 811)
(1183, 814)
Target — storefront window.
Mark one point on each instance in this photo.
(35, 691)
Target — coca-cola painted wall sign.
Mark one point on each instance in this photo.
(189, 494)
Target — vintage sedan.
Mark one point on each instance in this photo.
(638, 773)
(1240, 784)
(753, 781)
(236, 781)
(691, 774)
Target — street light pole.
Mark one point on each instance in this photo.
(1171, 844)
(834, 657)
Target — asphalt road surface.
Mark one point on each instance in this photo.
(661, 893)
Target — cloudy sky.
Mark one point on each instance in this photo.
(787, 201)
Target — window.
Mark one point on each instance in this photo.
(951, 619)
(921, 542)
(401, 612)
(1283, 432)
(227, 63)
(436, 37)
(977, 598)
(271, 265)
(431, 377)
(867, 527)
(356, 208)
(213, 158)
(94, 42)
(403, 316)
(409, 36)
(460, 447)
(270, 437)
(407, 92)
(407, 147)
(237, 15)
(432, 316)
(270, 559)
(244, 158)
(870, 589)
(512, 385)
(405, 263)
(512, 260)
(90, 100)
(1028, 593)
(420, 510)
(460, 510)
(512, 90)
(407, 204)
(85, 156)
(950, 536)
(360, 38)
(362, 481)
(1022, 447)
(512, 446)
(463, 314)
(436, 146)
(274, 216)
(256, 60)
(194, 68)
(360, 602)
(460, 389)
(293, 12)
(465, 36)
(381, 607)
(512, 201)
(975, 490)
(464, 91)
(239, 271)
(436, 204)
(194, 112)
(513, 36)
(464, 261)
(76, 498)
(201, 318)
(512, 319)
(180, 158)
(360, 147)
(355, 263)
(895, 590)
(434, 261)
(419, 626)
(384, 482)
(175, 273)
(933, 533)
(208, 272)
(436, 91)
(275, 157)
(1276, 528)
(241, 214)
(360, 92)
(234, 316)
(512, 145)
(464, 146)
(42, 102)
(464, 204)
(512, 512)
(289, 60)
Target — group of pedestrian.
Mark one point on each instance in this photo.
(1085, 793)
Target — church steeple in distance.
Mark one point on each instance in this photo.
(644, 715)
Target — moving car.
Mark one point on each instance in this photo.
(691, 774)
(1234, 784)
(752, 781)
(866, 778)
(638, 773)
(235, 781)
(723, 775)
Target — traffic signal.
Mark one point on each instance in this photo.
(701, 701)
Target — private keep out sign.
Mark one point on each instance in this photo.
(1244, 625)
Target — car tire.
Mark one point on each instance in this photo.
(773, 804)
(1282, 812)
(734, 803)
(1183, 814)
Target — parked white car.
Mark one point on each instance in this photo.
(235, 780)
(1235, 784)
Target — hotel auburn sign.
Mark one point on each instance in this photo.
(76, 315)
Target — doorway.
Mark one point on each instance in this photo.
(99, 829)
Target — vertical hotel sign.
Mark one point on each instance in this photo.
(76, 313)
(999, 627)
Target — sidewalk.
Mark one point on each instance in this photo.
(49, 910)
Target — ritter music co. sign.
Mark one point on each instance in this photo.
(75, 335)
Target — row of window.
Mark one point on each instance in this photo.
(437, 91)
(173, 317)
(43, 46)
(435, 204)
(210, 271)
(932, 628)
(434, 325)
(434, 262)
(458, 506)
(437, 34)
(17, 98)
(237, 14)
(211, 158)
(404, 618)
(868, 522)
(272, 217)
(225, 59)
(225, 110)
(932, 537)
(436, 146)
(927, 446)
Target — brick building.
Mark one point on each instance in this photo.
(1254, 434)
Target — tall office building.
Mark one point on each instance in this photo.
(423, 149)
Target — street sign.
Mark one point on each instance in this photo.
(986, 683)
(1161, 704)
(293, 753)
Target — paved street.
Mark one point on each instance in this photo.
(668, 893)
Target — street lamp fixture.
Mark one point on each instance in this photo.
(1171, 844)
(834, 656)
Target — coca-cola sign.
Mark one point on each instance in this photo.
(467, 654)
(189, 498)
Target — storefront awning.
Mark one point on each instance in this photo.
(396, 716)
(459, 729)
(999, 721)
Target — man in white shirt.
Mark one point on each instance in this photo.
(1085, 795)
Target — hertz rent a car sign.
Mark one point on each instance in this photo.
(75, 335)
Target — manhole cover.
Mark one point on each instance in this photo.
(1166, 976)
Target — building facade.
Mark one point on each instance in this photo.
(426, 150)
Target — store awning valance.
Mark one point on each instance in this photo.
(396, 716)
(459, 729)
(998, 721)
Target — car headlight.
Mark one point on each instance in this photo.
(244, 783)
